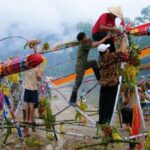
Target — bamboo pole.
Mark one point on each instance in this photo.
(106, 143)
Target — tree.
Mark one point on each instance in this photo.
(146, 13)
(145, 16)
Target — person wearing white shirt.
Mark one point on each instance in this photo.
(31, 92)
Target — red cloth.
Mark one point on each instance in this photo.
(136, 120)
(106, 20)
(136, 124)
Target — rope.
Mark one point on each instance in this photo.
(61, 111)
(91, 88)
(86, 81)
(67, 100)
(88, 91)
(61, 47)
(78, 134)
(71, 133)
(20, 37)
(57, 132)
(78, 109)
(23, 125)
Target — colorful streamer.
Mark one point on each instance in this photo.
(140, 30)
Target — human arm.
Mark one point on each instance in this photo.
(97, 43)
(109, 29)
(38, 74)
(39, 78)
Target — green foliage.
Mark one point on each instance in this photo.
(49, 118)
(46, 46)
(33, 141)
(50, 137)
(79, 117)
(131, 71)
(145, 16)
(43, 102)
(147, 142)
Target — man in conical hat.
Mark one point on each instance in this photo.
(106, 24)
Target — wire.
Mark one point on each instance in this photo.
(9, 37)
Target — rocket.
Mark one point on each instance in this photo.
(20, 64)
(140, 30)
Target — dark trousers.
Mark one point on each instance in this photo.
(106, 103)
(80, 70)
(127, 114)
(100, 35)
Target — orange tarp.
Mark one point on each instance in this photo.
(145, 52)
(69, 78)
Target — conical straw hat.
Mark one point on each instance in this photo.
(117, 11)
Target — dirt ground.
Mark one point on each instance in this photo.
(38, 140)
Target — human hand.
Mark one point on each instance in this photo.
(108, 36)
(87, 41)
(116, 30)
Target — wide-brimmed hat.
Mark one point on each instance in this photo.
(117, 11)
(102, 47)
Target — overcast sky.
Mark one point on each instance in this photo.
(45, 17)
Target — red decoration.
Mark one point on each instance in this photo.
(136, 124)
(20, 64)
(136, 120)
(34, 60)
(140, 30)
